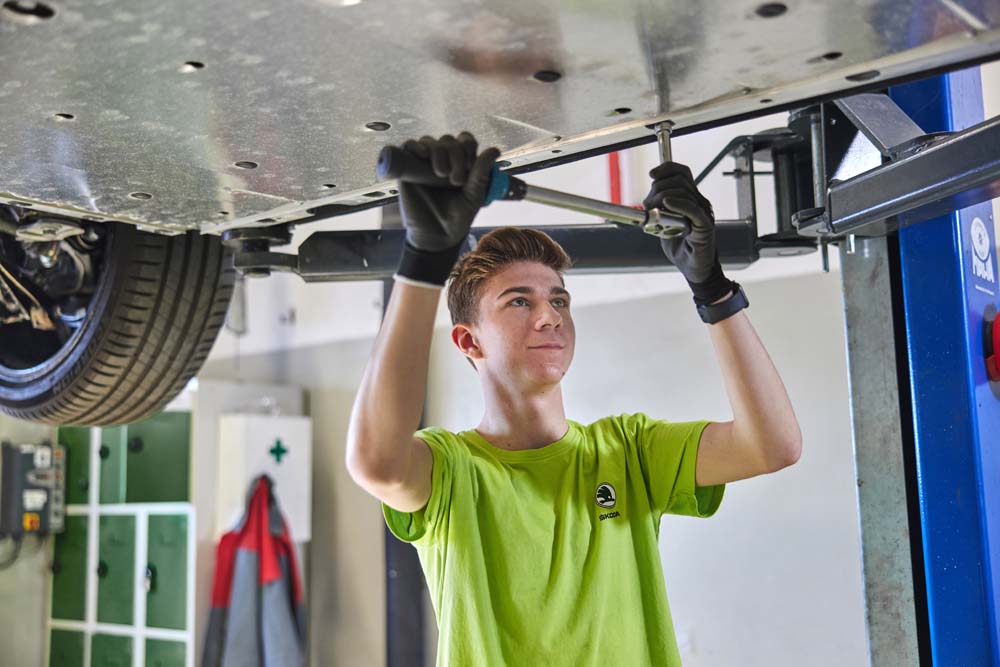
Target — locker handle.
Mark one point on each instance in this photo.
(150, 580)
(102, 569)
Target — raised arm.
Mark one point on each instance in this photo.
(764, 435)
(383, 456)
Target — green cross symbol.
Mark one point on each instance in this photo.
(277, 451)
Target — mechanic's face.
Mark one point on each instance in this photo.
(524, 335)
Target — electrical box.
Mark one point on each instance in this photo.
(254, 445)
(32, 489)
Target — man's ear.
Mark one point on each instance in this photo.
(466, 341)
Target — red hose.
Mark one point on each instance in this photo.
(615, 177)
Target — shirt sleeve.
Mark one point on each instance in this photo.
(668, 453)
(426, 524)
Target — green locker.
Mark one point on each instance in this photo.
(161, 653)
(158, 458)
(167, 571)
(69, 570)
(76, 440)
(112, 455)
(66, 648)
(110, 651)
(147, 462)
(116, 570)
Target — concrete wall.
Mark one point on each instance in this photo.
(24, 588)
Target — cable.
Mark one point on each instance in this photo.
(13, 555)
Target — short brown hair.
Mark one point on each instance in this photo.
(495, 251)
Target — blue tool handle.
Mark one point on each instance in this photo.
(394, 162)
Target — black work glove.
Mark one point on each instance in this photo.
(695, 255)
(437, 218)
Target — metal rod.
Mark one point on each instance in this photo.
(818, 158)
(602, 209)
(663, 138)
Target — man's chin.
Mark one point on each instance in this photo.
(551, 374)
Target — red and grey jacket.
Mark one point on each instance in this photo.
(257, 617)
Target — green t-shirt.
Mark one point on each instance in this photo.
(549, 556)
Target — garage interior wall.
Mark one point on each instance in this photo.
(24, 587)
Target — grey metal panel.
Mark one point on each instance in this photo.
(890, 611)
(881, 120)
(292, 86)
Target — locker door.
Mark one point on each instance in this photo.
(69, 570)
(66, 648)
(158, 452)
(112, 453)
(76, 440)
(167, 572)
(116, 570)
(161, 653)
(110, 651)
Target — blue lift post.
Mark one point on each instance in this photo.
(949, 288)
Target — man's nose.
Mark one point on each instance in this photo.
(550, 316)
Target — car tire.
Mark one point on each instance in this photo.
(157, 308)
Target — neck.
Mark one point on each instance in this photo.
(515, 421)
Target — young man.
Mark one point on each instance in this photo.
(538, 535)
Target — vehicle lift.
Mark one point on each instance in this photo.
(920, 306)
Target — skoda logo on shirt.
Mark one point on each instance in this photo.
(606, 495)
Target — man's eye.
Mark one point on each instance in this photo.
(519, 301)
(560, 303)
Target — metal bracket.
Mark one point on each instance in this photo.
(887, 126)
(788, 151)
(252, 250)
(931, 175)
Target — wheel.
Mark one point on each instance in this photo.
(131, 318)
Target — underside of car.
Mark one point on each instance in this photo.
(150, 150)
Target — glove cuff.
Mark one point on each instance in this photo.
(712, 288)
(427, 267)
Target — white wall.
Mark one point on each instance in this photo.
(24, 587)
(208, 400)
(774, 578)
